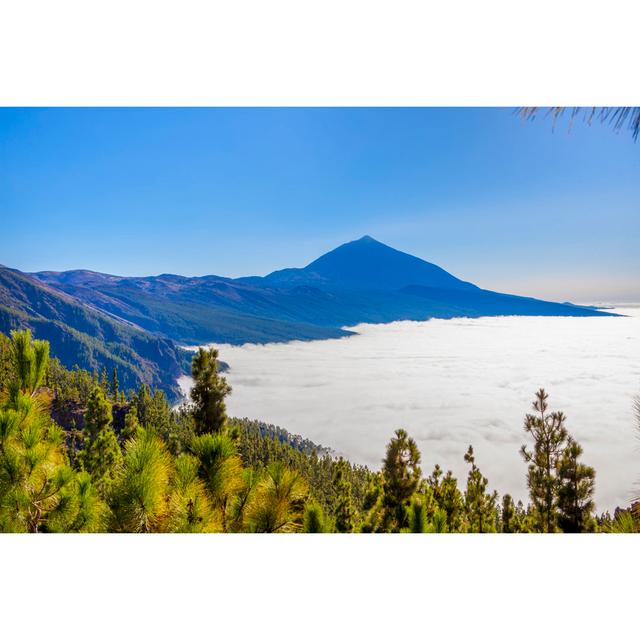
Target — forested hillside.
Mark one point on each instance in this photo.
(88, 337)
(77, 453)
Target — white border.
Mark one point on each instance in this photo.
(329, 52)
(287, 586)
(320, 52)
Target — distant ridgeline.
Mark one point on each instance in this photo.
(135, 324)
(88, 337)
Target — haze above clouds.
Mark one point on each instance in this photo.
(452, 383)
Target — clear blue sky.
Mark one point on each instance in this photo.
(507, 204)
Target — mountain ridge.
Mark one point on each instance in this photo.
(359, 281)
(81, 334)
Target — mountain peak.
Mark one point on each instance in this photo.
(364, 240)
(367, 264)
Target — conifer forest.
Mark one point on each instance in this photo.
(80, 453)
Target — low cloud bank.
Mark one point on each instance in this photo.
(452, 383)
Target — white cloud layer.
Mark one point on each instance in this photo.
(452, 383)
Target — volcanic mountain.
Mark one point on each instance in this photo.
(360, 281)
(367, 265)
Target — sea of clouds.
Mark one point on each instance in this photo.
(451, 383)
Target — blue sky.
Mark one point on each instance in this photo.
(510, 205)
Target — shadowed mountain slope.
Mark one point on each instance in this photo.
(95, 319)
(86, 336)
(361, 281)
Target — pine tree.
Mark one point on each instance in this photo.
(99, 415)
(143, 402)
(140, 496)
(101, 455)
(101, 459)
(479, 504)
(344, 513)
(208, 392)
(90, 511)
(131, 424)
(314, 519)
(279, 499)
(418, 516)
(221, 471)
(526, 517)
(6, 362)
(401, 477)
(34, 476)
(372, 506)
(190, 510)
(104, 381)
(154, 412)
(549, 436)
(38, 489)
(447, 497)
(438, 522)
(115, 386)
(243, 500)
(575, 495)
(30, 358)
(508, 519)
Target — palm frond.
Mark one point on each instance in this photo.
(618, 117)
